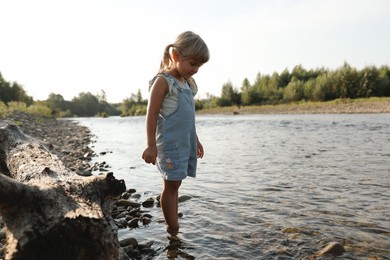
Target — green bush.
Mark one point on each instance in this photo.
(17, 106)
(39, 109)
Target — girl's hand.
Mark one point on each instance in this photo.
(150, 154)
(200, 151)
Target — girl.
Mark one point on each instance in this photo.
(172, 142)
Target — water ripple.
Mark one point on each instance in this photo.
(269, 186)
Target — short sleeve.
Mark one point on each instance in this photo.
(169, 80)
(193, 86)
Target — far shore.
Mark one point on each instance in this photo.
(340, 106)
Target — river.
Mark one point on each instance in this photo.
(268, 187)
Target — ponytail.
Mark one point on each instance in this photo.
(166, 59)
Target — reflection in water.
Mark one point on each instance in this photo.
(176, 248)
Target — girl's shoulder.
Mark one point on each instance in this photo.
(170, 80)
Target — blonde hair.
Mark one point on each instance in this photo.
(188, 45)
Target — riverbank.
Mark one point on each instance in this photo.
(66, 139)
(71, 143)
(339, 106)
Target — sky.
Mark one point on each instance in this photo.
(71, 46)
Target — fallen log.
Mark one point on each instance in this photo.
(49, 211)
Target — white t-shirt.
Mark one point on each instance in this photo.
(170, 101)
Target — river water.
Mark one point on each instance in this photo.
(268, 187)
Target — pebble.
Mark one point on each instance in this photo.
(333, 248)
(146, 220)
(128, 203)
(133, 223)
(136, 196)
(84, 173)
(148, 203)
(184, 198)
(128, 241)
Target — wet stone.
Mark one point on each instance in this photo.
(333, 248)
(133, 223)
(146, 221)
(127, 203)
(148, 203)
(131, 191)
(128, 241)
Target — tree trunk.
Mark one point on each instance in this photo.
(49, 211)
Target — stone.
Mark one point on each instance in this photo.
(146, 221)
(128, 241)
(148, 203)
(333, 248)
(133, 223)
(184, 198)
(127, 203)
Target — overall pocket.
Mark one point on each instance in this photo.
(168, 157)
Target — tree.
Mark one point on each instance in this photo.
(12, 91)
(284, 78)
(19, 94)
(383, 89)
(325, 88)
(140, 100)
(259, 93)
(134, 105)
(299, 73)
(254, 94)
(294, 90)
(229, 95)
(56, 102)
(273, 91)
(85, 104)
(102, 96)
(245, 85)
(347, 80)
(245, 92)
(369, 82)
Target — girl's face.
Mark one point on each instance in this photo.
(186, 67)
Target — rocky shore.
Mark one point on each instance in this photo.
(70, 142)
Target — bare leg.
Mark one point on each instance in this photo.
(169, 203)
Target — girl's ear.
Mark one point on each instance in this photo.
(175, 55)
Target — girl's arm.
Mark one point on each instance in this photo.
(157, 94)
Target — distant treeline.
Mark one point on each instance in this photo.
(86, 104)
(300, 84)
(308, 85)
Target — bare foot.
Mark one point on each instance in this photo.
(173, 231)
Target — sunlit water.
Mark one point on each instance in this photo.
(269, 186)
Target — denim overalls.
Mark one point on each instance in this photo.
(176, 137)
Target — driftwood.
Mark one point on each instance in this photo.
(49, 211)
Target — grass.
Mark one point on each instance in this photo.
(338, 106)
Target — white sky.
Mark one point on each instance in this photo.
(72, 46)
